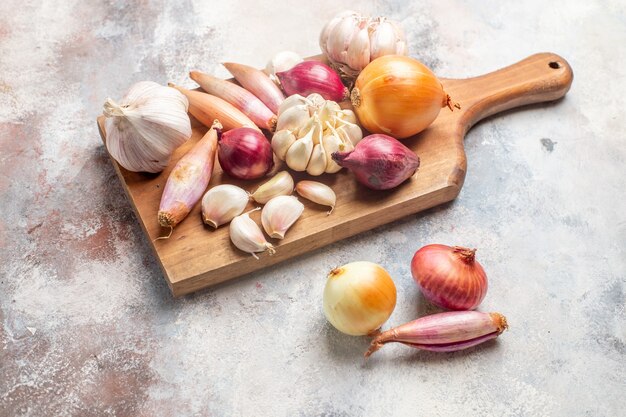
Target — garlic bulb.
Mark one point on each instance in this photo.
(146, 126)
(279, 184)
(282, 61)
(350, 41)
(222, 203)
(310, 129)
(247, 236)
(279, 214)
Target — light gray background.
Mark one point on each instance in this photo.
(89, 327)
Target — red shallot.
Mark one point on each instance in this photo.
(449, 277)
(310, 77)
(379, 162)
(188, 180)
(444, 332)
(244, 153)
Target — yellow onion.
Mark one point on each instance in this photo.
(397, 95)
(359, 297)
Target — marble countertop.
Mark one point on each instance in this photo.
(88, 326)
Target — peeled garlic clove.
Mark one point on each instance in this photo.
(317, 163)
(331, 144)
(222, 203)
(318, 193)
(293, 118)
(281, 142)
(358, 55)
(279, 184)
(279, 214)
(247, 236)
(299, 153)
(383, 40)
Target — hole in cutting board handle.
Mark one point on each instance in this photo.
(554, 65)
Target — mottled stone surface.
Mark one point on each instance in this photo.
(88, 327)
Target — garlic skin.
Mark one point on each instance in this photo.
(310, 129)
(247, 236)
(222, 203)
(318, 193)
(146, 126)
(282, 61)
(279, 184)
(350, 41)
(279, 214)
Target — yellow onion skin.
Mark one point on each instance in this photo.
(359, 297)
(397, 95)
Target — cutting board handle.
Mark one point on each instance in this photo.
(538, 78)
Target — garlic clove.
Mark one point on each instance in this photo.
(331, 144)
(247, 236)
(350, 131)
(348, 115)
(327, 111)
(358, 55)
(383, 40)
(317, 163)
(279, 214)
(341, 35)
(316, 100)
(279, 184)
(222, 203)
(401, 48)
(299, 153)
(328, 28)
(318, 193)
(281, 142)
(293, 118)
(291, 101)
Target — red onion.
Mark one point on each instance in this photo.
(444, 332)
(244, 153)
(449, 277)
(379, 162)
(310, 77)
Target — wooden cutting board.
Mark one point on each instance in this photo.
(197, 256)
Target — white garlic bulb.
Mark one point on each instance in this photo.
(279, 214)
(310, 129)
(146, 126)
(350, 41)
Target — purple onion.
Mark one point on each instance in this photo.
(244, 153)
(310, 77)
(379, 162)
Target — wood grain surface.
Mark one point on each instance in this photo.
(197, 256)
